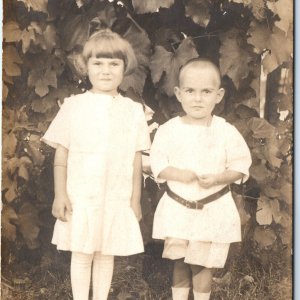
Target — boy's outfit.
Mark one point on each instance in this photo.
(201, 235)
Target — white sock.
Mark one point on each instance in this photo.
(180, 293)
(81, 275)
(103, 266)
(201, 296)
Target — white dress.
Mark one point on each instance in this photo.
(102, 134)
(204, 150)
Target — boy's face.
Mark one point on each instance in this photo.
(105, 74)
(199, 91)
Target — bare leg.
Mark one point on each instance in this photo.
(202, 279)
(181, 280)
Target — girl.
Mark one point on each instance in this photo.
(98, 136)
(198, 155)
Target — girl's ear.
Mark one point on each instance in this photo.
(220, 95)
(177, 93)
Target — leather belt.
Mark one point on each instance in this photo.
(198, 204)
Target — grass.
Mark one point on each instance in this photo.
(148, 277)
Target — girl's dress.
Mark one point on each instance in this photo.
(204, 150)
(102, 134)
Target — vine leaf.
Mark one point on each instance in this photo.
(284, 9)
(11, 32)
(168, 64)
(75, 31)
(47, 40)
(11, 194)
(142, 48)
(11, 61)
(264, 211)
(279, 45)
(271, 152)
(270, 191)
(150, 6)
(259, 172)
(234, 58)
(9, 144)
(24, 163)
(261, 128)
(286, 192)
(8, 229)
(198, 11)
(258, 8)
(28, 225)
(41, 79)
(37, 5)
(5, 91)
(264, 237)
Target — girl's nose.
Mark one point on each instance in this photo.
(105, 69)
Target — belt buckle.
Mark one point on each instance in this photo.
(199, 205)
(188, 204)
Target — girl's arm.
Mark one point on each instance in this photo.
(61, 204)
(175, 174)
(136, 185)
(226, 177)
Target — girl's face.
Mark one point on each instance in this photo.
(105, 74)
(198, 93)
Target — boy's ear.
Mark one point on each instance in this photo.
(221, 93)
(177, 93)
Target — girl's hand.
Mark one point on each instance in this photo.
(61, 207)
(207, 180)
(137, 209)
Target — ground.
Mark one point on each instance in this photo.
(146, 277)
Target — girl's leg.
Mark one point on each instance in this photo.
(181, 280)
(202, 279)
(81, 275)
(103, 266)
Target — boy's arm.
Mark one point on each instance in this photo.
(137, 185)
(226, 177)
(175, 174)
(61, 203)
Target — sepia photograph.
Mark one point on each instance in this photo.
(147, 150)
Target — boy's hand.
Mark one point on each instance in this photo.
(207, 180)
(61, 207)
(137, 209)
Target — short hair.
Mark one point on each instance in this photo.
(200, 60)
(108, 44)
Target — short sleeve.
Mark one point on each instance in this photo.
(143, 137)
(238, 156)
(58, 132)
(159, 153)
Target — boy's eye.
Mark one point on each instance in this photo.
(207, 91)
(189, 91)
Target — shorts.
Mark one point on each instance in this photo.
(207, 254)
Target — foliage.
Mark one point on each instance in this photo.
(42, 40)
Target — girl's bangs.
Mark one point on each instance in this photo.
(105, 49)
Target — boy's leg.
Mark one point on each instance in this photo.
(181, 280)
(202, 280)
(81, 275)
(103, 266)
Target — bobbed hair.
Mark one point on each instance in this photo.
(107, 44)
